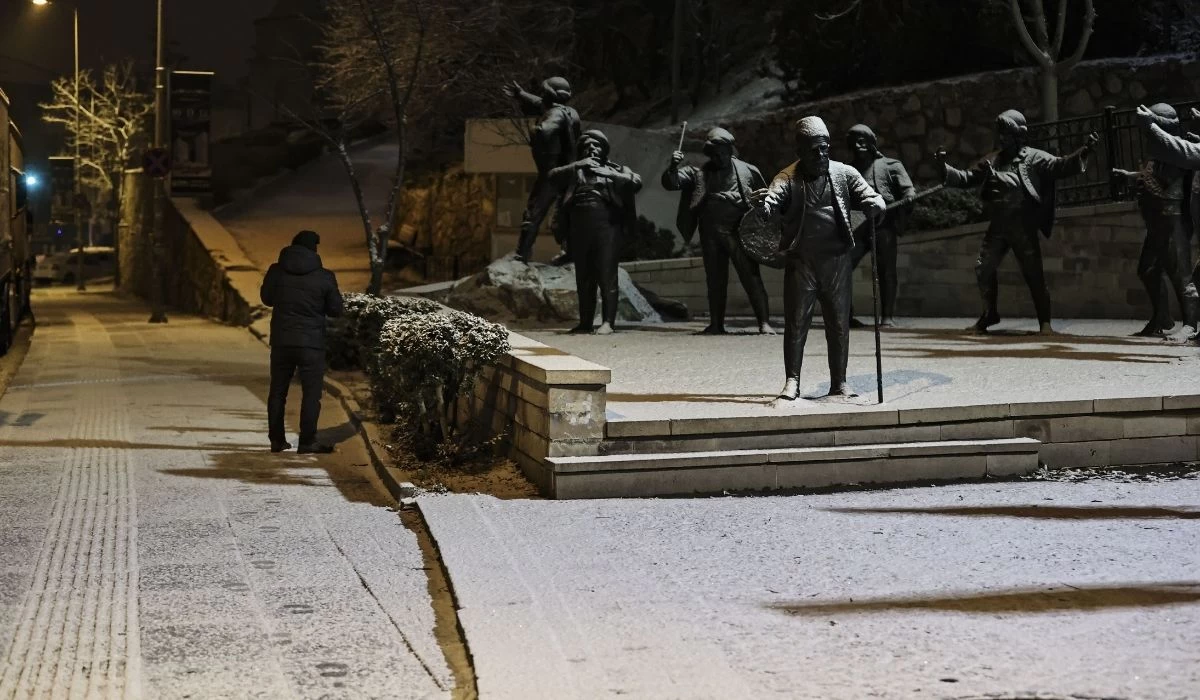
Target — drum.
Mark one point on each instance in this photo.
(760, 239)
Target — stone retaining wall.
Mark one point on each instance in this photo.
(204, 269)
(1090, 262)
(545, 403)
(912, 121)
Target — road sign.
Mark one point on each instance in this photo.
(156, 162)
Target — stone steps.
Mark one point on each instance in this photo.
(711, 472)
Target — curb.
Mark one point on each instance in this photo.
(392, 480)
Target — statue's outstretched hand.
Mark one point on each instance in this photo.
(512, 88)
(676, 159)
(1092, 139)
(758, 198)
(1195, 113)
(1144, 116)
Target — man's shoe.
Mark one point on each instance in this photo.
(713, 329)
(315, 448)
(985, 322)
(563, 258)
(280, 445)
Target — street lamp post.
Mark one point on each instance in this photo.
(77, 193)
(158, 311)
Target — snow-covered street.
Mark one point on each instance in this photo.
(1046, 589)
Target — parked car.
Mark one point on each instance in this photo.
(98, 261)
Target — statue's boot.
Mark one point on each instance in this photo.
(765, 328)
(790, 390)
(985, 322)
(1155, 328)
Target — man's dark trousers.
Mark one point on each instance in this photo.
(285, 361)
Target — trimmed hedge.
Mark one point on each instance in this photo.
(419, 357)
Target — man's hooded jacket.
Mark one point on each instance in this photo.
(302, 294)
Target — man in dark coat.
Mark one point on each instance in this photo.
(302, 294)
(552, 141)
(598, 209)
(888, 177)
(714, 198)
(813, 197)
(1017, 188)
(1163, 195)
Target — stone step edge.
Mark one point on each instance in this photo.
(729, 458)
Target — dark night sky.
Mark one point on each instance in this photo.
(35, 42)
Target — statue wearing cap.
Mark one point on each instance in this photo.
(1163, 197)
(890, 179)
(552, 141)
(597, 210)
(812, 199)
(1017, 187)
(1165, 145)
(714, 198)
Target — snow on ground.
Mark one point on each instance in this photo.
(317, 197)
(1030, 589)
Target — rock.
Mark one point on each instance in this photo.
(1080, 103)
(670, 308)
(912, 104)
(1137, 91)
(509, 291)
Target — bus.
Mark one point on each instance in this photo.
(16, 224)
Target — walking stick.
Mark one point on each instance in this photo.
(682, 133)
(875, 303)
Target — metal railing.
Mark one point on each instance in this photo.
(1122, 145)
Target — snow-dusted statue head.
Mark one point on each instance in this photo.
(812, 146)
(1011, 130)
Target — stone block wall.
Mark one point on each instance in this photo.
(545, 403)
(912, 121)
(204, 270)
(1090, 262)
(451, 214)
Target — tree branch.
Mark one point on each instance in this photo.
(1035, 52)
(1089, 24)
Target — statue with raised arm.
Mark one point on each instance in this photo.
(714, 198)
(597, 210)
(1163, 193)
(552, 141)
(812, 199)
(1017, 188)
(890, 179)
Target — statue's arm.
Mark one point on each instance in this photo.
(561, 176)
(863, 197)
(530, 104)
(1165, 148)
(678, 178)
(777, 196)
(630, 180)
(956, 177)
(904, 183)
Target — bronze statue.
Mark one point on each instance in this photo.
(813, 198)
(552, 141)
(1177, 151)
(1017, 188)
(597, 209)
(888, 177)
(1163, 193)
(714, 198)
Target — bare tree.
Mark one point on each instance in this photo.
(1046, 49)
(113, 127)
(416, 67)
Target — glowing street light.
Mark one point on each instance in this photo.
(78, 215)
(31, 180)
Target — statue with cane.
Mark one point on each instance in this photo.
(809, 205)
